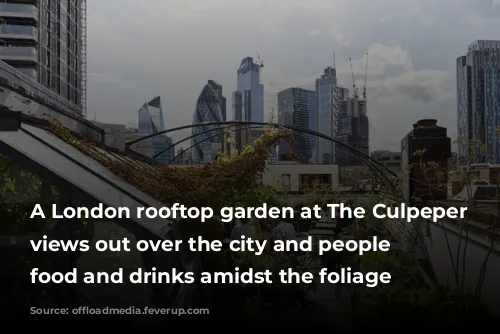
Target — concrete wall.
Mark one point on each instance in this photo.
(274, 174)
(115, 134)
(17, 102)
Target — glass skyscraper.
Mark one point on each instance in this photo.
(46, 41)
(210, 107)
(151, 121)
(296, 107)
(353, 130)
(329, 97)
(478, 109)
(248, 99)
(492, 113)
(151, 117)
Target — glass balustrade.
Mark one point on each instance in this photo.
(18, 30)
(29, 72)
(15, 78)
(15, 9)
(18, 51)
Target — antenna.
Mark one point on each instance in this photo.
(260, 63)
(366, 77)
(353, 81)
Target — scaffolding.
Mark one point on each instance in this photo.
(83, 55)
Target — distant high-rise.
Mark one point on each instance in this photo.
(151, 121)
(151, 117)
(329, 97)
(46, 41)
(296, 107)
(248, 99)
(478, 101)
(353, 130)
(210, 107)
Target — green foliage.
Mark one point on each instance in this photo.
(19, 191)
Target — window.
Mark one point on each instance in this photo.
(285, 182)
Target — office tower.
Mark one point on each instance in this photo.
(248, 99)
(295, 107)
(418, 180)
(329, 96)
(478, 108)
(353, 130)
(210, 107)
(151, 121)
(151, 117)
(46, 41)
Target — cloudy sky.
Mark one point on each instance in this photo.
(141, 48)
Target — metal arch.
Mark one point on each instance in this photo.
(378, 173)
(190, 137)
(289, 127)
(208, 138)
(177, 129)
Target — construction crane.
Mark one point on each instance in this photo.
(353, 80)
(366, 77)
(260, 63)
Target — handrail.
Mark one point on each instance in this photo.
(17, 80)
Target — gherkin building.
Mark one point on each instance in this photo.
(210, 107)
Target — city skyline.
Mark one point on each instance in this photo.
(411, 73)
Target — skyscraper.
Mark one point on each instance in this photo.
(248, 99)
(353, 130)
(296, 107)
(151, 121)
(478, 100)
(151, 117)
(210, 107)
(46, 41)
(329, 96)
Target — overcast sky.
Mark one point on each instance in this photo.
(141, 48)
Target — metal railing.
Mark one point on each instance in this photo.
(19, 51)
(19, 9)
(19, 31)
(14, 79)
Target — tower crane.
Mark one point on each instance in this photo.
(260, 63)
(355, 91)
(366, 76)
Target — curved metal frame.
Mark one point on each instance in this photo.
(208, 138)
(190, 137)
(366, 158)
(378, 173)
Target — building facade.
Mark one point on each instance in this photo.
(389, 159)
(329, 98)
(210, 107)
(116, 134)
(151, 117)
(352, 130)
(293, 177)
(248, 99)
(46, 41)
(492, 113)
(295, 107)
(477, 104)
(419, 182)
